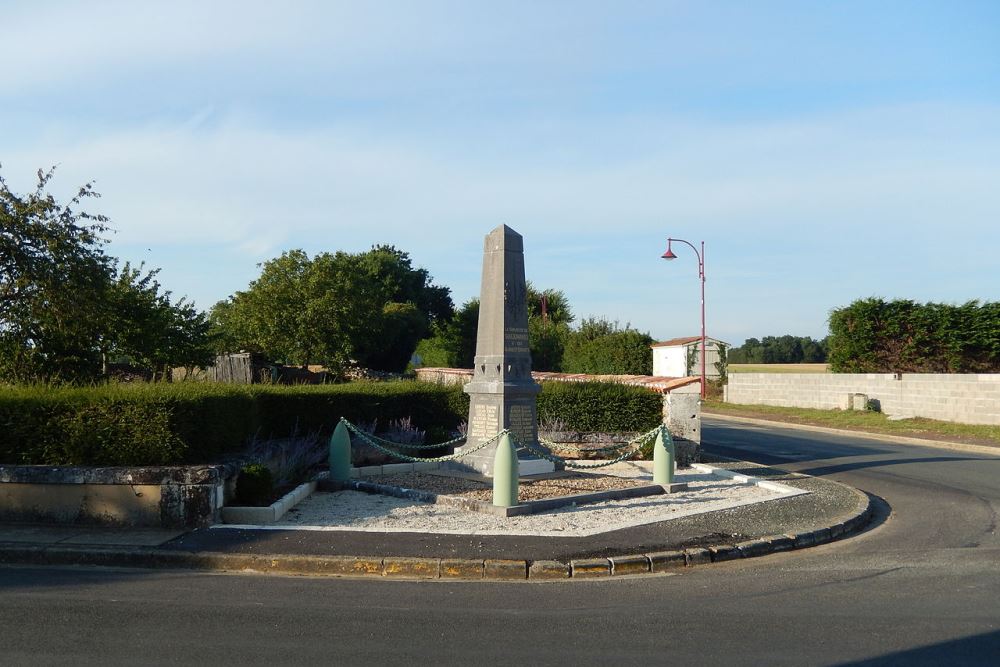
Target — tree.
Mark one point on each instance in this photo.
(66, 307)
(334, 309)
(53, 274)
(453, 342)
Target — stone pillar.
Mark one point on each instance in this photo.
(682, 417)
(502, 392)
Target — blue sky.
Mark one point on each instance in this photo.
(823, 151)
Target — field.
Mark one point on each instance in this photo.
(779, 368)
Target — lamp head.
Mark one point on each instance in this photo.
(669, 254)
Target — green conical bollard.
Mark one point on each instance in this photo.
(340, 454)
(505, 473)
(664, 456)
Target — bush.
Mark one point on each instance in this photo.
(255, 485)
(600, 347)
(162, 424)
(902, 336)
(600, 406)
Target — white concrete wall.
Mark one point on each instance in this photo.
(968, 399)
(669, 362)
(672, 361)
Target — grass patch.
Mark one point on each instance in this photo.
(863, 421)
(779, 368)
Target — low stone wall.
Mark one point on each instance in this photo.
(687, 450)
(966, 398)
(168, 497)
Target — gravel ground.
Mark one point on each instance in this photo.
(356, 511)
(530, 489)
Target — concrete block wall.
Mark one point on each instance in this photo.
(968, 398)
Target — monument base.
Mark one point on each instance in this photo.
(484, 465)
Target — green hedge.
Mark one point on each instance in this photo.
(902, 336)
(600, 406)
(162, 424)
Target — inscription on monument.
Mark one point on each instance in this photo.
(522, 422)
(485, 422)
(516, 339)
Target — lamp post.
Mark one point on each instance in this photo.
(668, 255)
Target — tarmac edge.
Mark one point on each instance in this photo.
(374, 566)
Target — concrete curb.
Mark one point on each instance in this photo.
(885, 437)
(261, 515)
(396, 567)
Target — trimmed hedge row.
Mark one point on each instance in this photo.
(600, 406)
(163, 424)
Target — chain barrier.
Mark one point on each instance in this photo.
(390, 443)
(575, 448)
(637, 444)
(418, 459)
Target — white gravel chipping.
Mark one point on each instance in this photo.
(356, 511)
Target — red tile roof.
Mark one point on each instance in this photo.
(659, 384)
(678, 341)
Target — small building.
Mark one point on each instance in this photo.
(681, 357)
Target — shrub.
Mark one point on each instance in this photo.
(600, 347)
(255, 485)
(163, 424)
(600, 406)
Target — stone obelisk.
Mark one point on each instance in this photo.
(502, 392)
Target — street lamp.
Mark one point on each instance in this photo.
(668, 255)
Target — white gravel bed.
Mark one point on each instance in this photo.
(357, 511)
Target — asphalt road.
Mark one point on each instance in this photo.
(922, 586)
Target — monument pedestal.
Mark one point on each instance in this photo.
(502, 392)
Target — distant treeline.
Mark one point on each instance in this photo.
(780, 350)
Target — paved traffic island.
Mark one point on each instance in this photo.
(823, 512)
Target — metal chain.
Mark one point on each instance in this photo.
(574, 448)
(639, 443)
(453, 441)
(418, 459)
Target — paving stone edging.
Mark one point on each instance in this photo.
(439, 568)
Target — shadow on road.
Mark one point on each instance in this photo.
(980, 649)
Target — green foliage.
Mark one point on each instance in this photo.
(722, 365)
(370, 307)
(548, 343)
(557, 309)
(66, 307)
(161, 424)
(877, 336)
(690, 357)
(600, 347)
(453, 343)
(780, 350)
(600, 406)
(254, 485)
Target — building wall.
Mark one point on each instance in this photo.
(672, 361)
(967, 398)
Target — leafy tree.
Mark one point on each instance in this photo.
(66, 307)
(453, 342)
(333, 309)
(779, 350)
(53, 275)
(557, 308)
